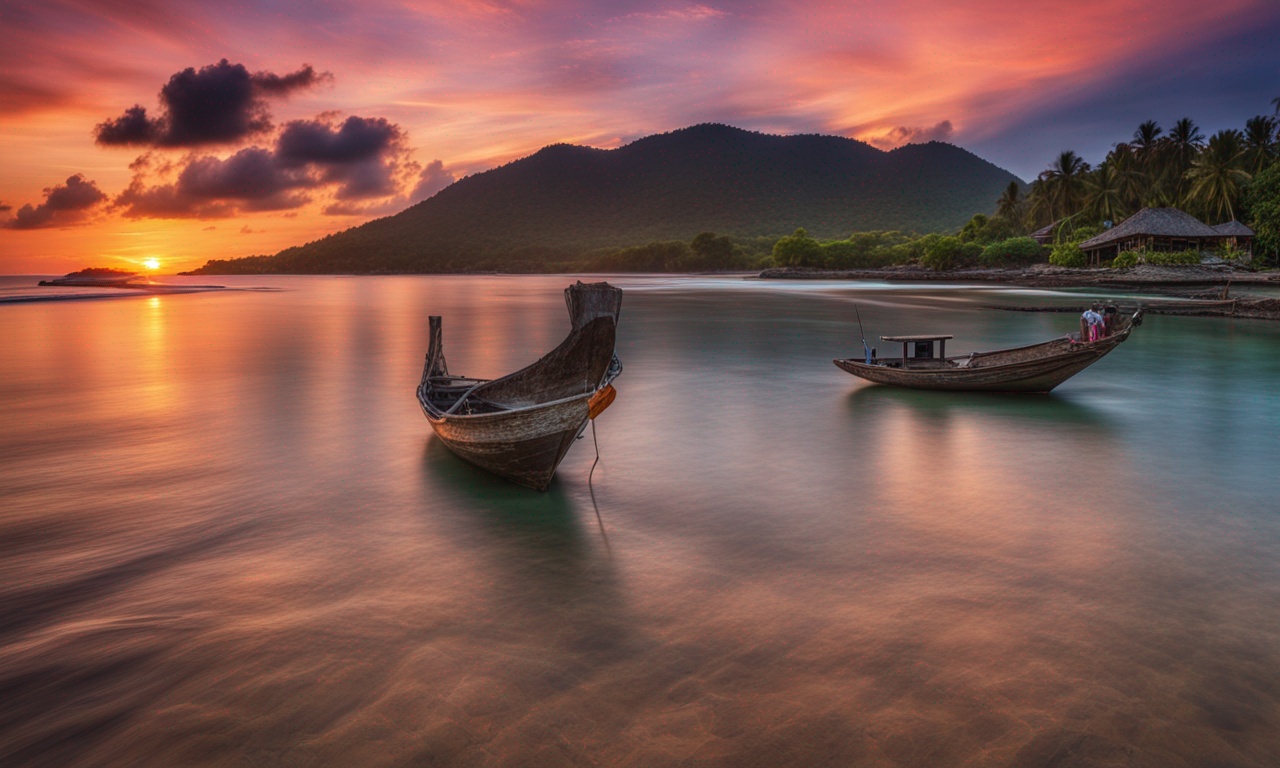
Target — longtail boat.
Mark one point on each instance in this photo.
(1035, 368)
(521, 425)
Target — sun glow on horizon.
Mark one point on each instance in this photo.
(152, 264)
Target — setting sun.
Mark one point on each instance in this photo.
(151, 263)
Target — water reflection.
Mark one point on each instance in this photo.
(501, 506)
(879, 403)
(228, 537)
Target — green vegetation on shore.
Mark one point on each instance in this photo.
(1234, 174)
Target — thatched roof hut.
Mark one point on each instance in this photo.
(1044, 235)
(1152, 229)
(1232, 228)
(1236, 235)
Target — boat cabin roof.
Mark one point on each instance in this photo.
(916, 338)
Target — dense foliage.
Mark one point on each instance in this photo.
(1159, 258)
(1067, 255)
(1211, 179)
(1263, 203)
(1014, 252)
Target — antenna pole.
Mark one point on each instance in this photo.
(866, 353)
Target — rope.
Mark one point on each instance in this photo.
(592, 489)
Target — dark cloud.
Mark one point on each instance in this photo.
(250, 174)
(209, 187)
(362, 162)
(914, 135)
(365, 157)
(432, 179)
(5, 207)
(221, 103)
(357, 139)
(63, 204)
(133, 127)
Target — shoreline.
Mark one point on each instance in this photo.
(1203, 291)
(1043, 276)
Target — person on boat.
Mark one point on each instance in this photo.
(1091, 324)
(1110, 316)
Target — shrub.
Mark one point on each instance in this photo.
(1016, 251)
(945, 253)
(1067, 255)
(985, 230)
(1229, 252)
(843, 254)
(798, 250)
(1127, 259)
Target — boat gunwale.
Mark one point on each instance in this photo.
(428, 407)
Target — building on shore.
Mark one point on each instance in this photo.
(1237, 236)
(1153, 229)
(1044, 235)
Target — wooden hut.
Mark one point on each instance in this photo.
(1044, 235)
(1151, 229)
(1236, 235)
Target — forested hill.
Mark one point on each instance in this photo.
(565, 200)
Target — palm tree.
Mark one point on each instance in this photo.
(1259, 143)
(1132, 180)
(1183, 143)
(1276, 101)
(1216, 176)
(1148, 151)
(1145, 137)
(1009, 206)
(1064, 184)
(1039, 209)
(1103, 193)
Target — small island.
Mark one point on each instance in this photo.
(99, 277)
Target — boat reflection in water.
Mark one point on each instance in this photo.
(521, 425)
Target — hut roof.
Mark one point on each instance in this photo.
(1044, 231)
(1162, 222)
(1232, 228)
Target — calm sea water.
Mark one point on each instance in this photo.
(228, 537)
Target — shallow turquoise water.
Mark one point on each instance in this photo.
(227, 537)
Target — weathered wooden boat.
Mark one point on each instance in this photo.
(521, 425)
(1034, 368)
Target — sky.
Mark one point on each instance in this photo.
(180, 131)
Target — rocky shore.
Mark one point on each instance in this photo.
(1208, 290)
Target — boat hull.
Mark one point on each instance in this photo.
(1035, 368)
(524, 447)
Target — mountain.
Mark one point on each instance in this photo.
(565, 200)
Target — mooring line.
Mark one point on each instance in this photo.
(592, 489)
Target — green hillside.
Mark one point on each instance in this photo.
(565, 201)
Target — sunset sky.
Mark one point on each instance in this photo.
(182, 131)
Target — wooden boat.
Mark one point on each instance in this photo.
(1034, 368)
(521, 425)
